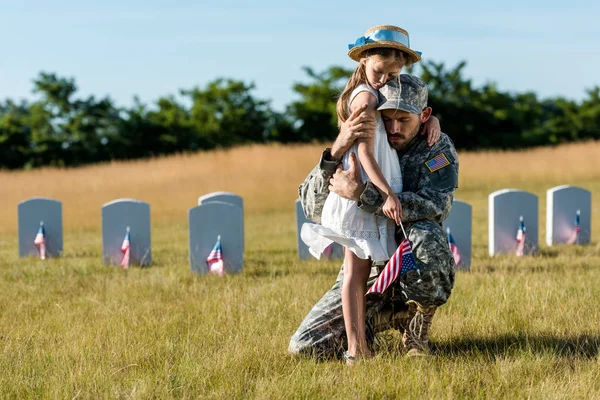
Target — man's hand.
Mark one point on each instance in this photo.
(359, 125)
(347, 184)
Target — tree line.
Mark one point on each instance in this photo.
(61, 129)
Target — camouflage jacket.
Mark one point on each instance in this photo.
(430, 176)
(427, 191)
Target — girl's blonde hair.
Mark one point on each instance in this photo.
(359, 76)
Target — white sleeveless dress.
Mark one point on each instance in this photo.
(365, 234)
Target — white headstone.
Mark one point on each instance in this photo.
(208, 221)
(460, 223)
(31, 213)
(117, 216)
(505, 209)
(225, 197)
(337, 251)
(562, 205)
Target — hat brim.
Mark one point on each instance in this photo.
(399, 105)
(355, 52)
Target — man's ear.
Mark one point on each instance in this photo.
(426, 114)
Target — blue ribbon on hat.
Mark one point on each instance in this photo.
(383, 34)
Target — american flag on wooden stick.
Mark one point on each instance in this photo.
(126, 249)
(401, 262)
(215, 259)
(575, 234)
(453, 247)
(40, 241)
(521, 238)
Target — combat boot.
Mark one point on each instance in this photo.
(416, 337)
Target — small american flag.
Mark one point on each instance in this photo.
(40, 241)
(215, 259)
(453, 247)
(126, 249)
(521, 238)
(575, 234)
(401, 262)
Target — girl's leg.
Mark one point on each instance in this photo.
(356, 274)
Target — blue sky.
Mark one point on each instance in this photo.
(153, 48)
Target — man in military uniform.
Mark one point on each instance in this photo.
(430, 176)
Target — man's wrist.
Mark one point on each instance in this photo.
(336, 153)
(328, 162)
(358, 192)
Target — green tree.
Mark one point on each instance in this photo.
(61, 129)
(15, 135)
(225, 113)
(67, 131)
(314, 113)
(589, 114)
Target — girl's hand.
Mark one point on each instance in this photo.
(432, 130)
(392, 208)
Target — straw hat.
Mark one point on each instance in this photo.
(386, 36)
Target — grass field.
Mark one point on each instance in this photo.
(73, 328)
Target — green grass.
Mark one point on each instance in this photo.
(71, 327)
(74, 328)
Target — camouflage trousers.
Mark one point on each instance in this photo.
(322, 332)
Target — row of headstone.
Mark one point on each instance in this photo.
(458, 226)
(513, 219)
(513, 223)
(219, 220)
(123, 220)
(126, 232)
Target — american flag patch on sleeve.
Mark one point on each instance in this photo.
(438, 162)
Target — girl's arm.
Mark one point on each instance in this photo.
(366, 147)
(432, 130)
(366, 150)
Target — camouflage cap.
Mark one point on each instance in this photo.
(410, 97)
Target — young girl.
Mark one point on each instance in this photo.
(381, 54)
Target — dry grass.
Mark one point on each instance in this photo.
(70, 327)
(266, 176)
